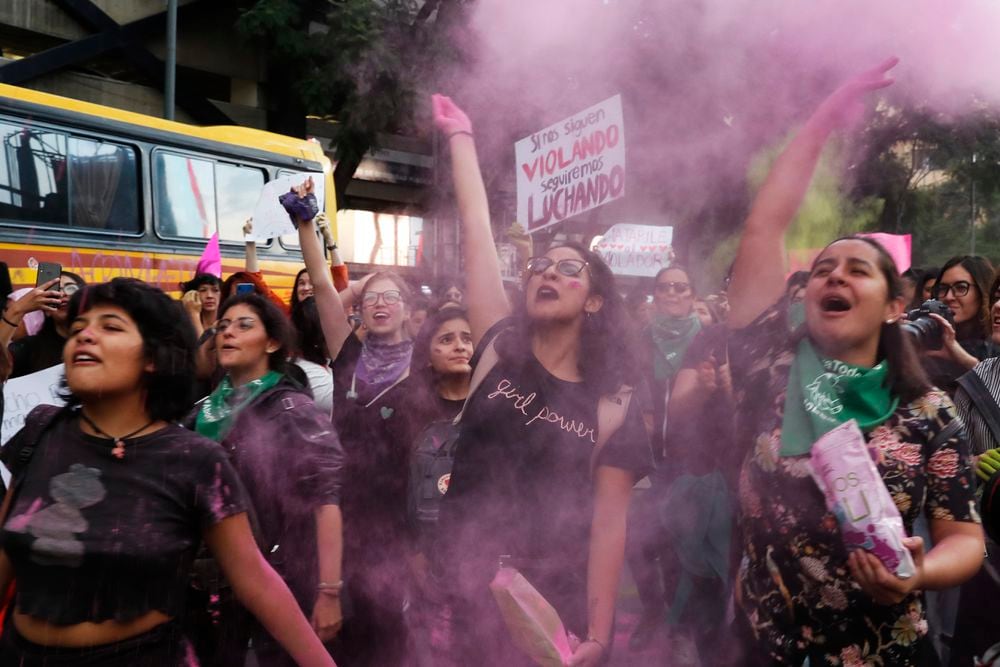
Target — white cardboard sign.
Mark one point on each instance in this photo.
(270, 219)
(637, 250)
(21, 395)
(572, 166)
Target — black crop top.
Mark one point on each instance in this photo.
(94, 538)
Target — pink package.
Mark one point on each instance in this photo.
(856, 495)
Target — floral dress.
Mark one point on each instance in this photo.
(794, 583)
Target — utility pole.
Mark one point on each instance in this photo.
(170, 76)
(972, 222)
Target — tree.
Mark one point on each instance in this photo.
(360, 63)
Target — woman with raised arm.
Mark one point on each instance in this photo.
(803, 594)
(529, 481)
(110, 500)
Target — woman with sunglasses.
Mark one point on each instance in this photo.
(803, 595)
(111, 500)
(289, 458)
(963, 285)
(528, 485)
(44, 349)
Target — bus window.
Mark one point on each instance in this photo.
(41, 170)
(237, 190)
(104, 185)
(33, 184)
(185, 195)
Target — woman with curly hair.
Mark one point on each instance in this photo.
(528, 480)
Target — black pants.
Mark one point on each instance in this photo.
(163, 646)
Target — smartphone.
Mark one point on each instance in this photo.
(244, 288)
(48, 271)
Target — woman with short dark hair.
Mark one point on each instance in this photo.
(111, 499)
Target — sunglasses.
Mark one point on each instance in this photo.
(675, 287)
(391, 297)
(566, 267)
(69, 289)
(242, 324)
(960, 288)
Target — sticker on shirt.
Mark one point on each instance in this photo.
(443, 482)
(55, 528)
(523, 404)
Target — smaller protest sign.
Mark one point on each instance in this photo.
(21, 395)
(637, 250)
(899, 247)
(270, 219)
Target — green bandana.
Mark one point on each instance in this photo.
(217, 412)
(824, 393)
(672, 335)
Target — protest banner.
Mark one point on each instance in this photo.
(572, 166)
(899, 247)
(270, 219)
(21, 395)
(637, 250)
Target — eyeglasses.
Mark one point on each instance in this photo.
(567, 267)
(675, 287)
(961, 288)
(391, 297)
(69, 289)
(242, 323)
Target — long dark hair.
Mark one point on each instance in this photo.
(607, 358)
(311, 345)
(295, 289)
(275, 324)
(906, 378)
(422, 343)
(168, 340)
(981, 271)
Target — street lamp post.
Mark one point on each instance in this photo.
(170, 76)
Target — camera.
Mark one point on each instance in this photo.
(925, 330)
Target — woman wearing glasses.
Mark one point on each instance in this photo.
(290, 460)
(529, 483)
(363, 371)
(43, 350)
(964, 286)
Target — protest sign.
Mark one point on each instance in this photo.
(572, 166)
(21, 395)
(270, 219)
(899, 247)
(637, 250)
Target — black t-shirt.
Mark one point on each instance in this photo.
(521, 483)
(94, 538)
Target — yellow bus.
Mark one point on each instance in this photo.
(108, 193)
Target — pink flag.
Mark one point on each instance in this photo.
(899, 246)
(211, 259)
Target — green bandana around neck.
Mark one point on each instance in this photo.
(217, 413)
(824, 393)
(672, 336)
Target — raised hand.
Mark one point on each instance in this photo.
(448, 117)
(846, 104)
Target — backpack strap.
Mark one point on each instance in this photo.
(38, 423)
(983, 400)
(392, 386)
(611, 412)
(487, 361)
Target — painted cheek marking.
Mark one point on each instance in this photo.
(575, 284)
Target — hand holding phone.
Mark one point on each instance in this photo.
(244, 288)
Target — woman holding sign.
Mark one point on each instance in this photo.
(540, 479)
(803, 594)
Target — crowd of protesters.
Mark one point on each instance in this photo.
(237, 478)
